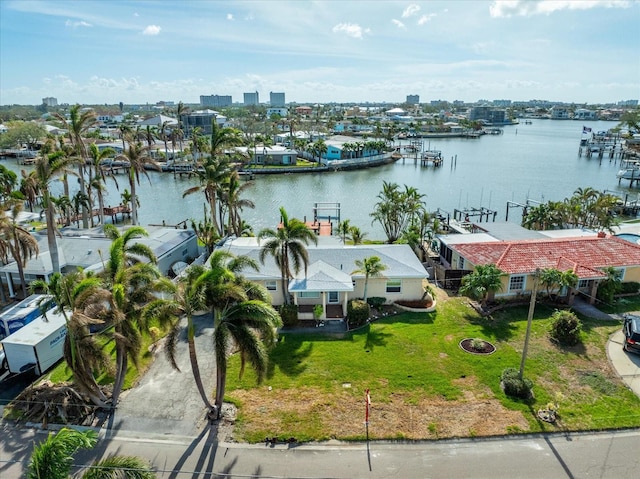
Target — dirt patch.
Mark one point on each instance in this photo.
(341, 414)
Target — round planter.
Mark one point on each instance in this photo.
(489, 348)
(417, 310)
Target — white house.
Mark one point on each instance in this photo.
(330, 279)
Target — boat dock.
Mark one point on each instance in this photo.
(431, 157)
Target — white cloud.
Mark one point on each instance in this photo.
(151, 30)
(229, 16)
(351, 29)
(398, 23)
(410, 10)
(80, 23)
(508, 8)
(426, 18)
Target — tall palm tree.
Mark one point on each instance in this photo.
(243, 319)
(234, 202)
(79, 298)
(134, 297)
(287, 245)
(371, 267)
(213, 174)
(8, 183)
(98, 179)
(138, 158)
(30, 188)
(344, 228)
(46, 170)
(78, 125)
(16, 242)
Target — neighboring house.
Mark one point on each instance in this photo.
(520, 253)
(276, 155)
(560, 113)
(202, 119)
(283, 112)
(159, 120)
(329, 280)
(89, 250)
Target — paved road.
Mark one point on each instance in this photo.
(606, 456)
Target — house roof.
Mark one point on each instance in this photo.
(322, 277)
(400, 260)
(585, 256)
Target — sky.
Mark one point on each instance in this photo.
(97, 52)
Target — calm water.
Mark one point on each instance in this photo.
(538, 161)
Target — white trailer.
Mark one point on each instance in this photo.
(38, 345)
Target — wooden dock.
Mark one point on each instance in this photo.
(431, 157)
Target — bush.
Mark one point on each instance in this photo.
(376, 301)
(565, 328)
(607, 290)
(289, 314)
(629, 288)
(357, 313)
(514, 386)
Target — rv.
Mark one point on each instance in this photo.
(22, 313)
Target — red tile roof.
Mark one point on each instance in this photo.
(582, 255)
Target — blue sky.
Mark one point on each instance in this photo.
(319, 51)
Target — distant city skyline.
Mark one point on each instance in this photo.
(93, 52)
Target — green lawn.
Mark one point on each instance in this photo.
(411, 360)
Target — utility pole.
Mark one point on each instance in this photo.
(532, 307)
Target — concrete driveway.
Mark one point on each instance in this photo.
(627, 365)
(166, 401)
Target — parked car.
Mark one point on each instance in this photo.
(631, 330)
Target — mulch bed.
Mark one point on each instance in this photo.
(467, 345)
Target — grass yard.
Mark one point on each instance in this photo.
(424, 386)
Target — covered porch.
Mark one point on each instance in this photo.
(322, 294)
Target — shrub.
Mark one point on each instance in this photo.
(607, 290)
(357, 313)
(289, 314)
(514, 386)
(565, 328)
(478, 344)
(376, 301)
(631, 287)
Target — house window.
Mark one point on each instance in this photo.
(334, 297)
(309, 294)
(271, 285)
(583, 284)
(460, 262)
(394, 286)
(516, 283)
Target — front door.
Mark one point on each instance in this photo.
(334, 297)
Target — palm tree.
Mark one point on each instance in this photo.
(235, 203)
(134, 288)
(485, 280)
(356, 236)
(287, 245)
(214, 173)
(15, 241)
(243, 319)
(53, 459)
(83, 297)
(138, 158)
(30, 188)
(46, 170)
(79, 123)
(344, 228)
(371, 267)
(99, 179)
(8, 182)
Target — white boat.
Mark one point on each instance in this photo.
(631, 172)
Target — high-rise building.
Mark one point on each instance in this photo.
(276, 99)
(215, 100)
(251, 99)
(50, 101)
(413, 99)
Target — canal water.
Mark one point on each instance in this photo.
(539, 162)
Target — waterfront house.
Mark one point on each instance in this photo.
(203, 120)
(276, 155)
(519, 252)
(89, 249)
(329, 279)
